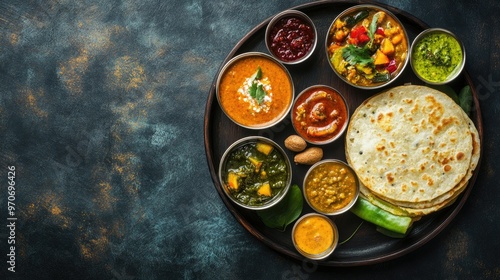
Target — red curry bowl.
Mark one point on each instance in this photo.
(320, 114)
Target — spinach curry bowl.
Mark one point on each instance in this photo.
(367, 46)
(255, 90)
(255, 173)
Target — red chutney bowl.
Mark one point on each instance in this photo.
(291, 37)
(320, 114)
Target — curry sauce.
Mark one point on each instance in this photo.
(239, 87)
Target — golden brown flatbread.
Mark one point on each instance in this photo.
(459, 188)
(414, 147)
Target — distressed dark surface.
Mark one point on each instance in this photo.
(101, 113)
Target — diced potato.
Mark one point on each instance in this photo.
(387, 47)
(264, 190)
(264, 148)
(333, 47)
(232, 181)
(397, 39)
(391, 31)
(340, 35)
(380, 58)
(257, 163)
(377, 38)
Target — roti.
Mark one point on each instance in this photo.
(412, 146)
(459, 188)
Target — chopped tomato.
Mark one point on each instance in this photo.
(363, 38)
(359, 35)
(355, 32)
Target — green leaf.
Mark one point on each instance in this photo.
(257, 75)
(253, 90)
(260, 94)
(285, 212)
(373, 26)
(465, 99)
(257, 91)
(355, 55)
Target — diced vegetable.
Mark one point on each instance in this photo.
(363, 38)
(359, 35)
(355, 32)
(265, 189)
(337, 61)
(232, 181)
(364, 69)
(387, 47)
(256, 162)
(397, 39)
(392, 66)
(380, 59)
(264, 148)
(381, 77)
(340, 35)
(373, 214)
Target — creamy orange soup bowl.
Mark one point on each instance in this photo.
(255, 90)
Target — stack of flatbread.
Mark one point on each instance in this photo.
(412, 147)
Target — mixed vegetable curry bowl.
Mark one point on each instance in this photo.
(367, 46)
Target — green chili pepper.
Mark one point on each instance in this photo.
(379, 77)
(352, 20)
(373, 214)
(389, 233)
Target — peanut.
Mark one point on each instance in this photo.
(295, 143)
(310, 156)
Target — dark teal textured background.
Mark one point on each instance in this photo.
(101, 112)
